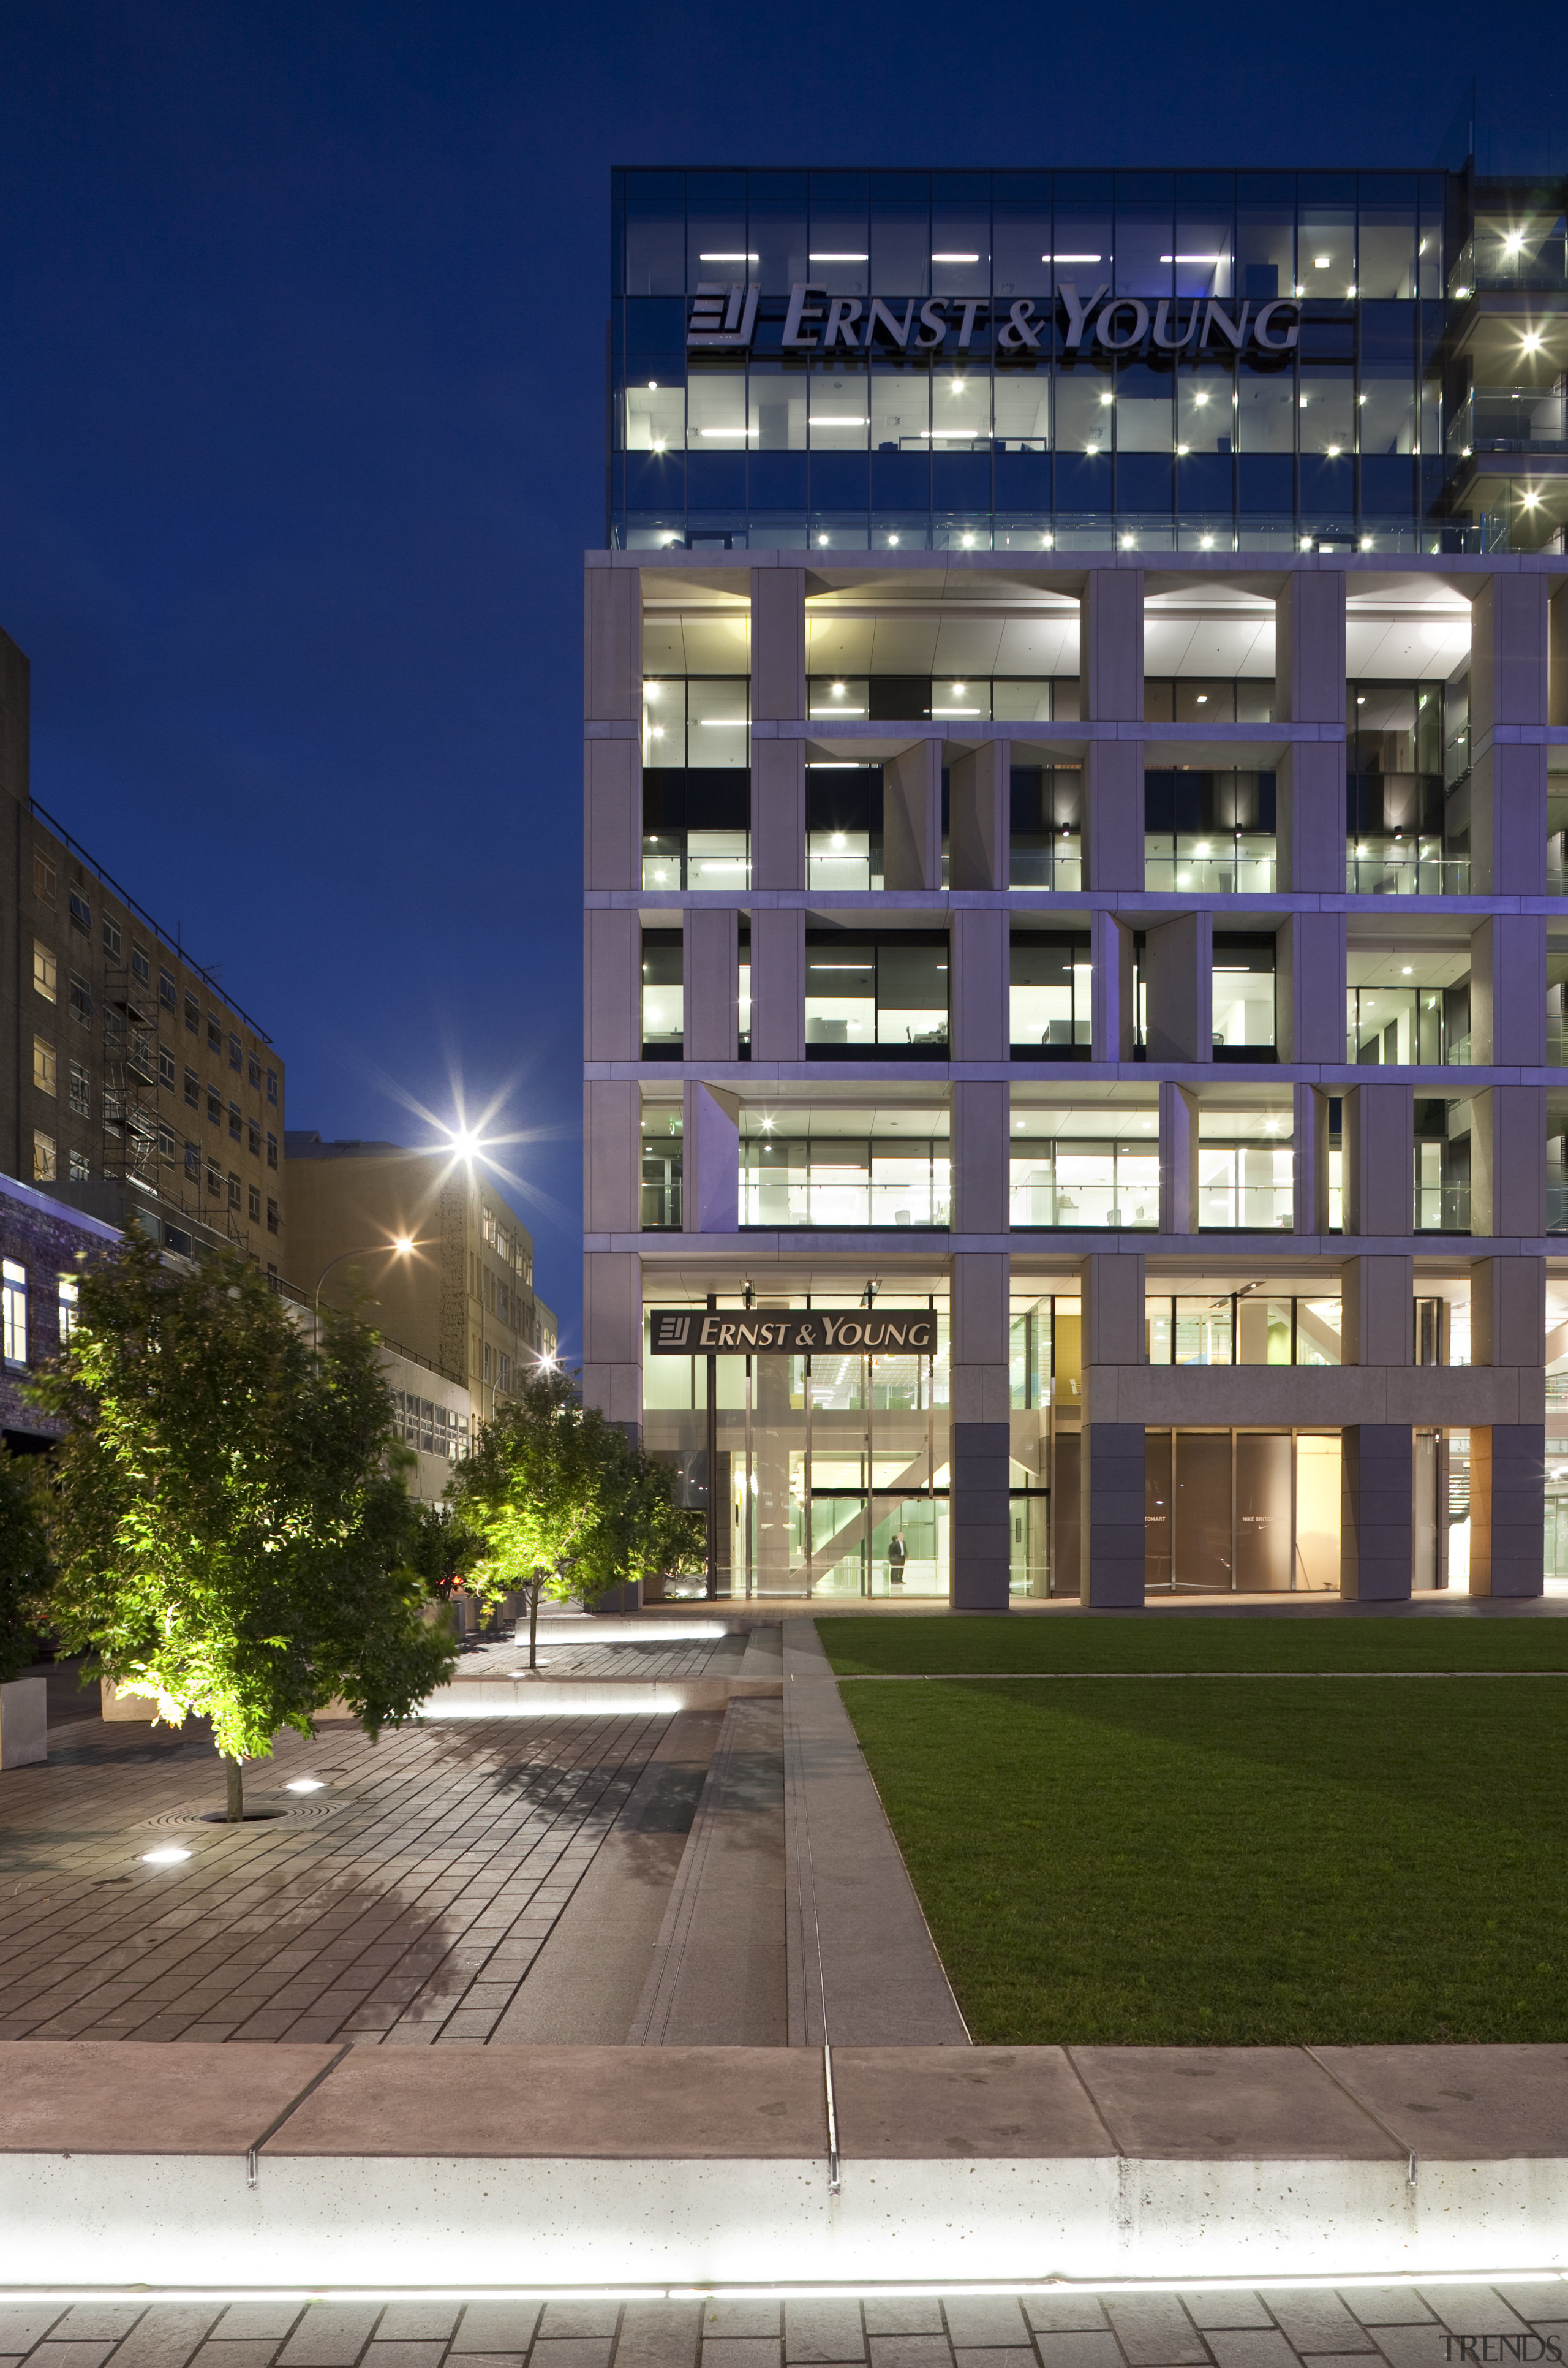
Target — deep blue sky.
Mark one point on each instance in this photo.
(301, 370)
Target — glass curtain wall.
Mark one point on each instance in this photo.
(1238, 1511)
(1089, 1167)
(828, 1167)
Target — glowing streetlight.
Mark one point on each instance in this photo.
(398, 1249)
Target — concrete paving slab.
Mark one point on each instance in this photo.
(863, 1969)
(95, 2321)
(1248, 2347)
(1472, 2310)
(596, 2317)
(910, 2352)
(255, 2352)
(1465, 2104)
(818, 2331)
(1378, 2306)
(742, 2351)
(166, 2336)
(24, 2324)
(330, 2335)
(907, 2103)
(902, 2314)
(1314, 2321)
(1080, 2348)
(659, 2335)
(1064, 2314)
(1154, 2332)
(254, 2321)
(728, 2319)
(129, 2097)
(1224, 2308)
(496, 2327)
(1417, 2347)
(404, 2355)
(571, 2352)
(412, 2322)
(984, 2322)
(72, 2355)
(659, 2103)
(1534, 2298)
(1227, 2104)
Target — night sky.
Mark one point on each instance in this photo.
(301, 392)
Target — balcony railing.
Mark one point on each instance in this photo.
(1510, 419)
(1046, 866)
(1416, 870)
(1210, 876)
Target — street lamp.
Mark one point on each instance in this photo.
(398, 1249)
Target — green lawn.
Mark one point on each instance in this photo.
(1077, 1640)
(1209, 1860)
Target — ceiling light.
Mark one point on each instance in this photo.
(1461, 291)
(170, 1855)
(1048, 542)
(729, 259)
(1321, 262)
(1130, 542)
(836, 419)
(1108, 398)
(955, 258)
(1182, 451)
(1365, 543)
(1513, 243)
(892, 539)
(402, 1244)
(1195, 258)
(1205, 542)
(1072, 258)
(1532, 343)
(821, 539)
(1203, 698)
(728, 431)
(1306, 542)
(305, 1785)
(967, 541)
(837, 259)
(653, 386)
(1332, 450)
(1201, 397)
(1530, 500)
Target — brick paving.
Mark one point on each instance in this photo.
(409, 1913)
(1363, 2327)
(718, 1656)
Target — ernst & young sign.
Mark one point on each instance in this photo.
(726, 316)
(692, 1332)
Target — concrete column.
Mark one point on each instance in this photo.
(777, 984)
(612, 812)
(1309, 1142)
(1113, 814)
(612, 985)
(1507, 994)
(711, 1159)
(1379, 1311)
(1310, 988)
(1309, 655)
(981, 1524)
(1178, 1158)
(1508, 819)
(979, 815)
(1509, 692)
(1309, 820)
(1557, 655)
(1376, 1512)
(1507, 1313)
(1508, 1508)
(979, 974)
(612, 1336)
(981, 1155)
(911, 817)
(779, 645)
(713, 982)
(1507, 1173)
(612, 1157)
(1111, 1453)
(1110, 954)
(1378, 1138)
(612, 644)
(778, 813)
(1178, 974)
(1111, 659)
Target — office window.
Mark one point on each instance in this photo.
(14, 1311)
(141, 966)
(112, 938)
(111, 1107)
(1087, 1167)
(81, 1090)
(253, 1070)
(843, 827)
(44, 972)
(66, 1306)
(696, 829)
(214, 1183)
(272, 1086)
(214, 1108)
(1442, 1165)
(254, 1194)
(236, 1052)
(1244, 997)
(664, 995)
(234, 1122)
(1408, 1008)
(1245, 1169)
(193, 1161)
(43, 1064)
(272, 1217)
(234, 1190)
(1212, 833)
(44, 878)
(168, 1075)
(272, 1151)
(168, 994)
(165, 1142)
(1048, 997)
(252, 1139)
(193, 1015)
(80, 1167)
(1046, 842)
(845, 1168)
(214, 1036)
(81, 914)
(45, 1165)
(81, 999)
(885, 993)
(192, 1090)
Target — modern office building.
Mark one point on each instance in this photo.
(460, 1296)
(1077, 681)
(131, 1085)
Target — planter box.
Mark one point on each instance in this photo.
(115, 1705)
(24, 1722)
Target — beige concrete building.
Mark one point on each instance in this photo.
(461, 1297)
(132, 1086)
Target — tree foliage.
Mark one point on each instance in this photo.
(24, 1561)
(230, 1526)
(567, 1506)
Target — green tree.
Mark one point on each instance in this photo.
(24, 1561)
(229, 1522)
(566, 1505)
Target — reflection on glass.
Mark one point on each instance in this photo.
(1046, 846)
(1049, 1001)
(662, 993)
(833, 1182)
(1246, 1186)
(1244, 992)
(1084, 1167)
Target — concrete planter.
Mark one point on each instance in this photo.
(24, 1722)
(117, 1705)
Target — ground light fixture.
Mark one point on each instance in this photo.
(304, 1784)
(170, 1854)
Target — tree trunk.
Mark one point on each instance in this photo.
(533, 1623)
(235, 1771)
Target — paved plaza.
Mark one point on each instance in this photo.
(1404, 2326)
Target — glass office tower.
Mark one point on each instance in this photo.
(1076, 792)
